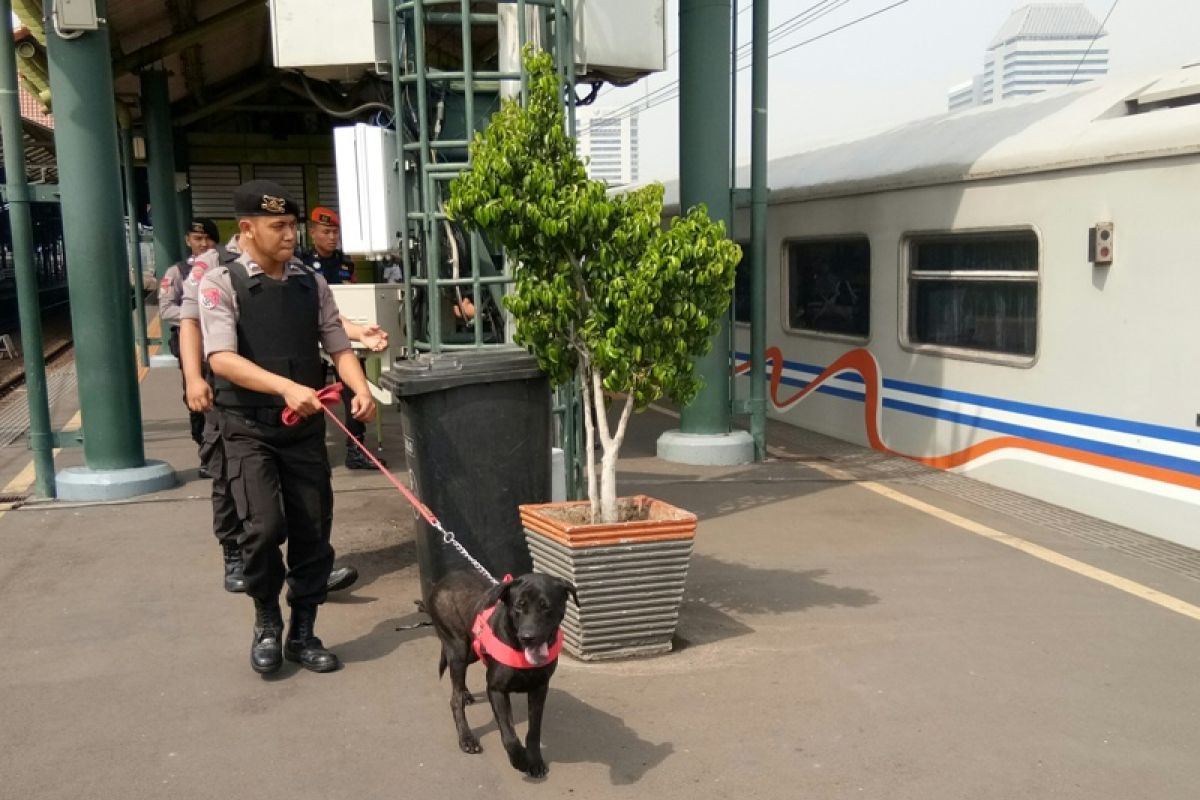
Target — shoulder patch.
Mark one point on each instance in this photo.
(210, 298)
(165, 283)
(195, 276)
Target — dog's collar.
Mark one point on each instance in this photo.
(485, 642)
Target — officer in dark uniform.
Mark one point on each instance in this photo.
(201, 237)
(264, 318)
(326, 256)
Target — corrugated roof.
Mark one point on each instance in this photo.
(1048, 21)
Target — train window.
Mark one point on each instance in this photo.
(974, 291)
(829, 286)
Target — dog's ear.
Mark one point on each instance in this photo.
(570, 587)
(504, 590)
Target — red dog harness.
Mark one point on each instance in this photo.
(485, 642)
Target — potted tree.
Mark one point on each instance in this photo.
(606, 296)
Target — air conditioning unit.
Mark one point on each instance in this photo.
(620, 40)
(369, 201)
(331, 40)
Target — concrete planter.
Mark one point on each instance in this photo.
(629, 575)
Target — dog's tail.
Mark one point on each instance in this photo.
(441, 665)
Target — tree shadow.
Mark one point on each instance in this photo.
(753, 590)
(574, 732)
(718, 590)
(711, 497)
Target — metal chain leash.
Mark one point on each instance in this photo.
(449, 538)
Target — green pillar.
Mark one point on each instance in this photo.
(86, 139)
(705, 115)
(160, 163)
(21, 224)
(133, 241)
(705, 434)
(758, 232)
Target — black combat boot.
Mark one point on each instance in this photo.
(356, 459)
(303, 646)
(266, 652)
(341, 578)
(235, 579)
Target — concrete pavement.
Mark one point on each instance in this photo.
(833, 643)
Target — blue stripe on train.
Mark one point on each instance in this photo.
(1045, 412)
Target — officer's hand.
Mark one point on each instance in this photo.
(374, 337)
(302, 400)
(362, 407)
(199, 396)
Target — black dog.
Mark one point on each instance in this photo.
(523, 630)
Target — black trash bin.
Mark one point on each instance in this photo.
(477, 442)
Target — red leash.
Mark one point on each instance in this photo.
(330, 396)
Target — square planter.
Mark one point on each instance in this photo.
(629, 575)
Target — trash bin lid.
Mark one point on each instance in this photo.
(433, 373)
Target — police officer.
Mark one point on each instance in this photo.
(198, 395)
(201, 237)
(326, 256)
(263, 318)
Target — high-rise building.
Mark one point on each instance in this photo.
(1041, 46)
(609, 144)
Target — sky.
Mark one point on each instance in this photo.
(890, 69)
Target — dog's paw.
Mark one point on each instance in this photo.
(469, 744)
(519, 759)
(537, 768)
(468, 698)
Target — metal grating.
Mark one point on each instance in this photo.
(212, 189)
(327, 191)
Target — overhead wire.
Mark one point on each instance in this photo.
(1092, 43)
(670, 91)
(782, 30)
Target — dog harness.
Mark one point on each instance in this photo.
(486, 642)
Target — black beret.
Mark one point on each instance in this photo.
(206, 226)
(263, 199)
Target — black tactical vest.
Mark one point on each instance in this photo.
(278, 328)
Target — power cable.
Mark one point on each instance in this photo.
(671, 91)
(1092, 43)
(782, 30)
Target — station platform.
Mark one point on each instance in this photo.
(855, 625)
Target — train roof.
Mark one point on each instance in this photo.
(1112, 121)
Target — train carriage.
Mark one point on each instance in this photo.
(1008, 292)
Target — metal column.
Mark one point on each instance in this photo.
(160, 151)
(758, 231)
(704, 164)
(21, 224)
(706, 434)
(90, 180)
(133, 241)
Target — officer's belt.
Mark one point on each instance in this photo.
(263, 415)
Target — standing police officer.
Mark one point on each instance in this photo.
(200, 238)
(263, 318)
(326, 257)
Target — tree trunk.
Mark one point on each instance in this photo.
(589, 444)
(609, 511)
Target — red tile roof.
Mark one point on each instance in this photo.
(31, 110)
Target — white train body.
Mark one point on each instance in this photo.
(991, 342)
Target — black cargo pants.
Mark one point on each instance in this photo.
(279, 480)
(195, 418)
(227, 525)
